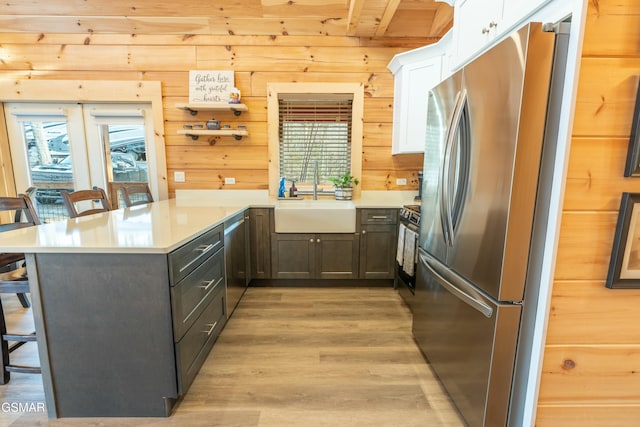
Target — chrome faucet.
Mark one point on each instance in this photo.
(315, 182)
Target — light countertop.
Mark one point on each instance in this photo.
(261, 198)
(158, 227)
(155, 228)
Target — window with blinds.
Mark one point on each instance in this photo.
(314, 129)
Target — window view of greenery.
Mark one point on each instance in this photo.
(314, 132)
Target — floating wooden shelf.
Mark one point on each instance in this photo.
(237, 109)
(195, 133)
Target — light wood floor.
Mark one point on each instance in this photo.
(289, 357)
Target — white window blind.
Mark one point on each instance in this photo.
(314, 128)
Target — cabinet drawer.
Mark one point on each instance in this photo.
(194, 347)
(379, 216)
(191, 295)
(187, 257)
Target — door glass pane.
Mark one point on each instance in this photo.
(50, 166)
(127, 157)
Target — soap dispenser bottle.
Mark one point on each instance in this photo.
(293, 191)
(281, 189)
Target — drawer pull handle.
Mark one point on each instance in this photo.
(204, 248)
(208, 285)
(379, 217)
(211, 328)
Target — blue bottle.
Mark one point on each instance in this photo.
(281, 189)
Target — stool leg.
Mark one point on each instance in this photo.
(24, 300)
(4, 348)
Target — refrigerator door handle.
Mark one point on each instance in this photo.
(445, 179)
(460, 176)
(459, 292)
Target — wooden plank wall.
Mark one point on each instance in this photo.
(256, 60)
(591, 369)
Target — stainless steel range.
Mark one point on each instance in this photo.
(406, 255)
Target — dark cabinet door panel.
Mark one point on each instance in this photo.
(293, 256)
(260, 229)
(377, 251)
(337, 256)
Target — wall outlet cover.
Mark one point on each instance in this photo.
(401, 181)
(230, 180)
(179, 176)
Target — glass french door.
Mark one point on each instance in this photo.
(116, 141)
(57, 147)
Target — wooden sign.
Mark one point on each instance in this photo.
(210, 86)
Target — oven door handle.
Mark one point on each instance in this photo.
(411, 226)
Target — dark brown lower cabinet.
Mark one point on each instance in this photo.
(314, 256)
(378, 242)
(377, 251)
(260, 229)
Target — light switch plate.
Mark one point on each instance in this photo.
(401, 181)
(230, 180)
(179, 176)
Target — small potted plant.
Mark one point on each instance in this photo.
(344, 185)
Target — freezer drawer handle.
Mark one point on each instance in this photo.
(469, 299)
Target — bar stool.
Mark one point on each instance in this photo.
(135, 194)
(14, 280)
(95, 195)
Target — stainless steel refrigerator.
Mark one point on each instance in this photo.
(485, 130)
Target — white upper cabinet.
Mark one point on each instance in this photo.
(476, 24)
(480, 23)
(515, 11)
(415, 73)
(411, 86)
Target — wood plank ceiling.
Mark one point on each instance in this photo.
(358, 18)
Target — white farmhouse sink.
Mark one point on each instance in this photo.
(315, 216)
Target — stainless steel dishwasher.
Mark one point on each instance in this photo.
(236, 246)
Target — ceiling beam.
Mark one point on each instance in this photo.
(441, 20)
(387, 16)
(355, 11)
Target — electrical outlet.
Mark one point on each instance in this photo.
(230, 180)
(401, 181)
(178, 176)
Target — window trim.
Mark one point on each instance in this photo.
(273, 92)
(91, 91)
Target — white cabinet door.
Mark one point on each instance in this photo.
(517, 10)
(476, 23)
(412, 84)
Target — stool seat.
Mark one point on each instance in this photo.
(14, 280)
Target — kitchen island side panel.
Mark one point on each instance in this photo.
(109, 333)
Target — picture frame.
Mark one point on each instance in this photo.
(624, 266)
(632, 166)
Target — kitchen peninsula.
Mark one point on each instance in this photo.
(128, 303)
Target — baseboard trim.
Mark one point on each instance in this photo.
(321, 283)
